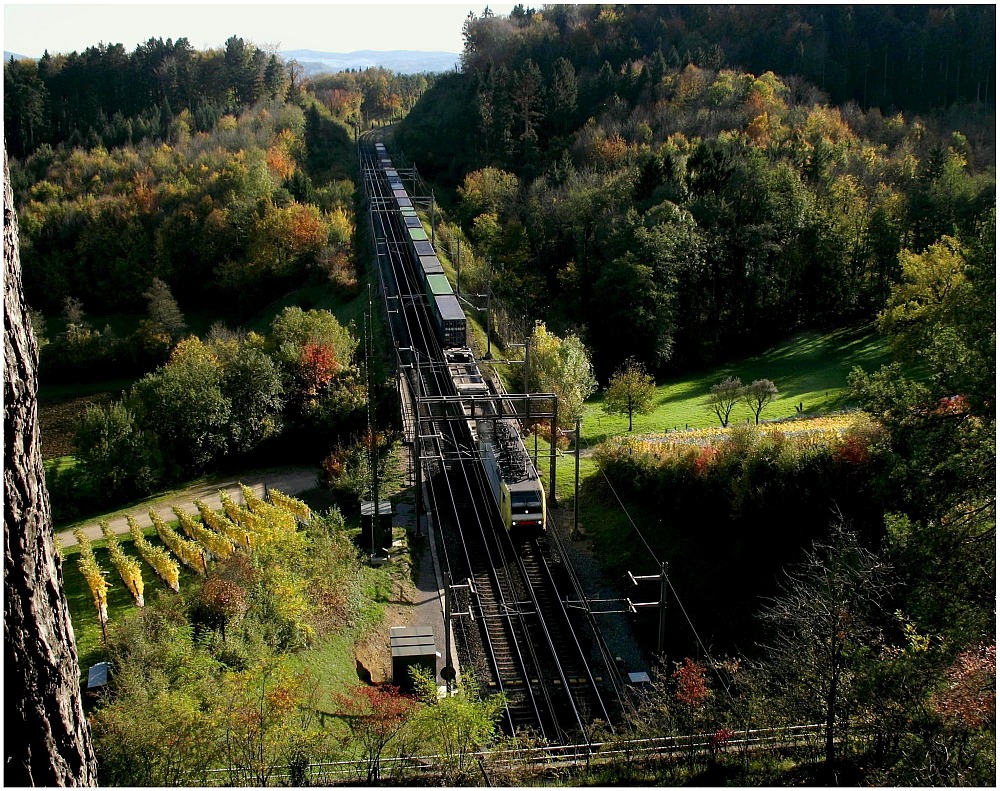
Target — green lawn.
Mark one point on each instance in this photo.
(809, 369)
(331, 661)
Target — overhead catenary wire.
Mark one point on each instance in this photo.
(420, 343)
(670, 584)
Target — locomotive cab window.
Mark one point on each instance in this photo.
(525, 502)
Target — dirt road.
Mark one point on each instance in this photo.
(290, 480)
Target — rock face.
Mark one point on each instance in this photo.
(46, 740)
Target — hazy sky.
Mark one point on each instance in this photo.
(31, 28)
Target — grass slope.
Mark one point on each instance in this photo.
(809, 368)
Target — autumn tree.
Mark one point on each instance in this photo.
(758, 394)
(488, 191)
(630, 391)
(822, 623)
(377, 717)
(47, 742)
(561, 366)
(691, 692)
(268, 720)
(942, 319)
(293, 329)
(724, 396)
(223, 601)
(961, 751)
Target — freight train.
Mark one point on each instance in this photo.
(513, 479)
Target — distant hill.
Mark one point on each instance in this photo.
(399, 61)
(8, 55)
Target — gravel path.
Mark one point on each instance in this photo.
(615, 627)
(290, 480)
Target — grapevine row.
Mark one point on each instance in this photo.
(159, 560)
(217, 535)
(92, 572)
(187, 551)
(218, 545)
(224, 526)
(128, 567)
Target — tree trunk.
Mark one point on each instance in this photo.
(831, 710)
(47, 741)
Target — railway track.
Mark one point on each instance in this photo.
(519, 640)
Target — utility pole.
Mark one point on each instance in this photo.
(576, 485)
(661, 636)
(552, 451)
(527, 365)
(432, 219)
(377, 540)
(489, 321)
(448, 672)
(662, 603)
(458, 264)
(417, 443)
(448, 676)
(535, 432)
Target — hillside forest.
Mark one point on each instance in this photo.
(623, 163)
(654, 188)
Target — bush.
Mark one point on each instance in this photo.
(738, 509)
(118, 460)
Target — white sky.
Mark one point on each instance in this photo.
(31, 28)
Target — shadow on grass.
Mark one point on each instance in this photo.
(809, 369)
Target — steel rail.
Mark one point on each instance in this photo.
(561, 609)
(402, 273)
(573, 656)
(505, 609)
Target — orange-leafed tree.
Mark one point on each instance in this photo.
(377, 716)
(317, 366)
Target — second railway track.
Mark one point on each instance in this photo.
(522, 640)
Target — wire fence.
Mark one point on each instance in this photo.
(558, 757)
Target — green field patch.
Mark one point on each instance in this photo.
(809, 369)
